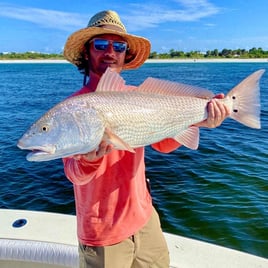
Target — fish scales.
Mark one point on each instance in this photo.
(141, 119)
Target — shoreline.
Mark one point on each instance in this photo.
(205, 60)
(33, 61)
(259, 60)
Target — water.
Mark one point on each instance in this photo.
(216, 194)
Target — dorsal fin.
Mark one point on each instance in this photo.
(159, 86)
(111, 81)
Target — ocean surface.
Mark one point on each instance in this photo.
(218, 193)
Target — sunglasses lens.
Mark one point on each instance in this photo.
(102, 44)
(119, 46)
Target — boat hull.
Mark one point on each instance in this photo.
(48, 240)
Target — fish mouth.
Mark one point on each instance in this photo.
(48, 149)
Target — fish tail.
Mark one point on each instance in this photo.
(245, 98)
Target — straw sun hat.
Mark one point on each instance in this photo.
(107, 22)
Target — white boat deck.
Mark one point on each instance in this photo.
(41, 239)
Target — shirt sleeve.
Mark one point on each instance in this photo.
(166, 146)
(80, 171)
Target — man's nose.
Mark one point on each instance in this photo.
(110, 48)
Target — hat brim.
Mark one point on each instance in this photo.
(139, 47)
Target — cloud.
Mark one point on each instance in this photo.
(43, 17)
(150, 15)
(210, 24)
(135, 16)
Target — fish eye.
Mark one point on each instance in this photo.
(44, 128)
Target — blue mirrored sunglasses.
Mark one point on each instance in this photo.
(102, 44)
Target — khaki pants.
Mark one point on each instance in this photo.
(146, 248)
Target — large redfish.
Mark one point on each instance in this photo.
(128, 119)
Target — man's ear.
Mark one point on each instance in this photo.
(85, 53)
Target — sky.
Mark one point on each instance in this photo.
(183, 25)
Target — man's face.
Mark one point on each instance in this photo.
(105, 54)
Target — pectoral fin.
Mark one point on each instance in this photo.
(189, 138)
(116, 141)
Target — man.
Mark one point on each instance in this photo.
(116, 222)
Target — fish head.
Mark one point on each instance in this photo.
(62, 133)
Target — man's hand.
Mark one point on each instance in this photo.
(104, 148)
(217, 113)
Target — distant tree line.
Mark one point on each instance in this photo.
(29, 56)
(172, 54)
(225, 53)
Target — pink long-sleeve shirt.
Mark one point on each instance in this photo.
(111, 196)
